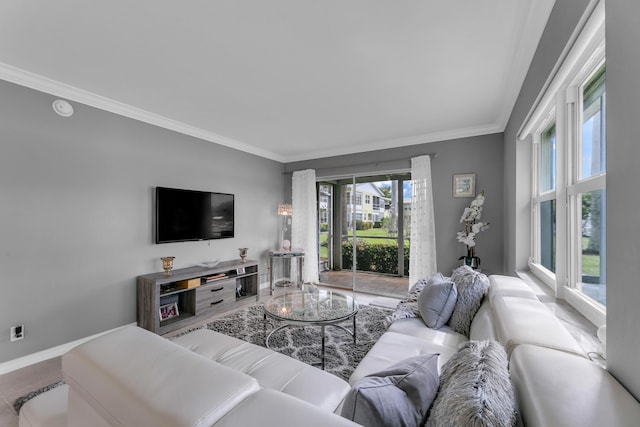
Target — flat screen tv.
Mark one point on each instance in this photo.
(186, 215)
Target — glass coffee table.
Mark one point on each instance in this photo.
(311, 308)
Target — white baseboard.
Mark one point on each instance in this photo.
(47, 354)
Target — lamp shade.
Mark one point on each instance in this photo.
(285, 209)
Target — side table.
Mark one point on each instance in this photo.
(285, 268)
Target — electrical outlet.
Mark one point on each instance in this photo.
(17, 332)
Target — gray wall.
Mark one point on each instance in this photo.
(623, 191)
(77, 208)
(517, 154)
(481, 155)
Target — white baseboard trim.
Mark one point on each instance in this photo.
(43, 355)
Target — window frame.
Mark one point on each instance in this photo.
(539, 197)
(561, 102)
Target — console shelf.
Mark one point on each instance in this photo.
(203, 298)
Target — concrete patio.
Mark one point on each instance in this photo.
(366, 282)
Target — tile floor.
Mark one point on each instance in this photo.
(20, 382)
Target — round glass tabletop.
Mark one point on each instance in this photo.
(316, 306)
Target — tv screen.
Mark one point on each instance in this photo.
(185, 215)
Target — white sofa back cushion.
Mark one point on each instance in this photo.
(482, 325)
(528, 321)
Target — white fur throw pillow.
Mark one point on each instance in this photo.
(471, 286)
(475, 389)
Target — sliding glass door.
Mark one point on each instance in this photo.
(364, 233)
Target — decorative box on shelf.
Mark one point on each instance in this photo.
(189, 283)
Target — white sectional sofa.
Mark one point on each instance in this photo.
(134, 378)
(554, 381)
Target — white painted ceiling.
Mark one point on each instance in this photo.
(284, 79)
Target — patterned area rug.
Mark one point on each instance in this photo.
(304, 344)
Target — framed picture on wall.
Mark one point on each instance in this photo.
(464, 185)
(168, 311)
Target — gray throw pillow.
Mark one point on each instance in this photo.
(471, 286)
(475, 389)
(398, 396)
(408, 307)
(436, 303)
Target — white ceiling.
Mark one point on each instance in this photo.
(284, 79)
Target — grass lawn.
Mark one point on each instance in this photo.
(590, 263)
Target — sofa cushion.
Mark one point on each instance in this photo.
(554, 388)
(271, 408)
(397, 396)
(471, 286)
(436, 303)
(482, 326)
(416, 328)
(393, 347)
(527, 321)
(475, 389)
(272, 369)
(509, 286)
(47, 409)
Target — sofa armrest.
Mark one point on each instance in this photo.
(134, 377)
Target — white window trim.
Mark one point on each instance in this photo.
(583, 55)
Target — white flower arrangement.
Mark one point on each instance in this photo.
(472, 227)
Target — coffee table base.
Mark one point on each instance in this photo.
(322, 325)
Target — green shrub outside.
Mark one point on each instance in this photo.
(376, 257)
(363, 225)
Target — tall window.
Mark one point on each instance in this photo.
(568, 199)
(545, 200)
(584, 148)
(588, 193)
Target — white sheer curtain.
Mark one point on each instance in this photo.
(422, 259)
(304, 233)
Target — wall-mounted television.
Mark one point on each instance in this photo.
(187, 215)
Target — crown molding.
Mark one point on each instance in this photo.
(43, 84)
(400, 142)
